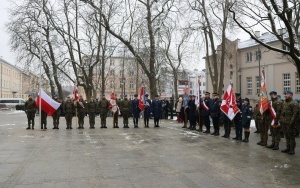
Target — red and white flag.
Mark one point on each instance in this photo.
(228, 105)
(113, 102)
(75, 92)
(263, 97)
(142, 99)
(48, 105)
(205, 106)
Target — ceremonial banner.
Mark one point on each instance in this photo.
(75, 92)
(142, 99)
(228, 105)
(263, 97)
(48, 105)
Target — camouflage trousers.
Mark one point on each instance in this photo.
(275, 132)
(125, 117)
(265, 123)
(103, 116)
(69, 120)
(92, 119)
(289, 135)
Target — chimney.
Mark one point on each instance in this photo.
(257, 34)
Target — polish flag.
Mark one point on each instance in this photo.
(113, 103)
(205, 106)
(48, 105)
(142, 98)
(228, 105)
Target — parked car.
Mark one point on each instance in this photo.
(12, 102)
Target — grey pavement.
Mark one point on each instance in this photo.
(168, 156)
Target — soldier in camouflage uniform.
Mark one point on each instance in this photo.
(43, 120)
(30, 110)
(69, 109)
(257, 117)
(80, 105)
(56, 115)
(287, 120)
(103, 108)
(297, 124)
(276, 104)
(125, 110)
(91, 109)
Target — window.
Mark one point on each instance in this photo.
(284, 47)
(249, 56)
(121, 73)
(131, 84)
(297, 89)
(112, 72)
(203, 83)
(131, 73)
(257, 55)
(257, 84)
(286, 82)
(231, 74)
(121, 84)
(112, 62)
(231, 66)
(249, 85)
(111, 84)
(191, 84)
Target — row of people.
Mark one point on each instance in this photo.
(279, 116)
(80, 108)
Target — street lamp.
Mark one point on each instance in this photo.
(240, 79)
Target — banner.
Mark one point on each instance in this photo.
(142, 98)
(48, 105)
(75, 92)
(263, 97)
(228, 105)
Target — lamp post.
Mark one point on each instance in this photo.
(240, 79)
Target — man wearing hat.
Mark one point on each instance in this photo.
(69, 110)
(207, 102)
(215, 113)
(125, 111)
(135, 111)
(91, 110)
(80, 105)
(147, 111)
(30, 110)
(275, 106)
(246, 118)
(287, 120)
(237, 118)
(156, 108)
(192, 113)
(103, 106)
(56, 114)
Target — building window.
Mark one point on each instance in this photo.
(286, 48)
(257, 85)
(112, 62)
(297, 84)
(131, 73)
(286, 82)
(112, 72)
(121, 84)
(257, 55)
(191, 84)
(121, 73)
(111, 84)
(249, 85)
(231, 66)
(131, 84)
(249, 56)
(231, 74)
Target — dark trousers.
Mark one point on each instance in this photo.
(215, 121)
(238, 126)
(227, 126)
(207, 122)
(135, 121)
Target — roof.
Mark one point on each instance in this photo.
(8, 64)
(265, 37)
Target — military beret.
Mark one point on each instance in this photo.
(215, 94)
(135, 95)
(273, 93)
(207, 93)
(156, 95)
(146, 95)
(288, 92)
(237, 94)
(246, 99)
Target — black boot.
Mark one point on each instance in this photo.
(271, 146)
(246, 136)
(286, 150)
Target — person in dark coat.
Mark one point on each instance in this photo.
(206, 105)
(125, 111)
(246, 119)
(91, 110)
(135, 111)
(80, 105)
(147, 111)
(171, 107)
(56, 114)
(69, 110)
(156, 108)
(166, 108)
(237, 118)
(30, 110)
(192, 113)
(215, 113)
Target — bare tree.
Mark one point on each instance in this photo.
(214, 20)
(280, 18)
(126, 30)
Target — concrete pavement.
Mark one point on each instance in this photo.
(168, 156)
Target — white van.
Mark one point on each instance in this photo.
(12, 102)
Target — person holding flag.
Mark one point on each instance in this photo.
(115, 109)
(275, 110)
(80, 106)
(237, 119)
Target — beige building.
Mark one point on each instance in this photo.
(11, 81)
(244, 68)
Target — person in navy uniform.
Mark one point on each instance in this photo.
(246, 118)
(156, 108)
(147, 111)
(215, 113)
(192, 112)
(135, 111)
(206, 112)
(237, 118)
